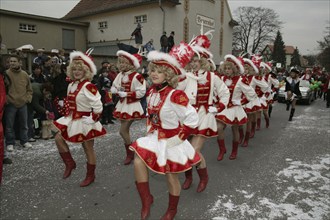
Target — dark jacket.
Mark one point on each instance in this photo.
(37, 99)
(137, 35)
(295, 88)
(170, 42)
(60, 85)
(163, 41)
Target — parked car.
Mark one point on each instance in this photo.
(307, 94)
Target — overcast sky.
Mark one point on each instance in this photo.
(305, 21)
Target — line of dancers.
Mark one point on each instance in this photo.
(188, 102)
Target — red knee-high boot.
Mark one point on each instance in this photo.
(258, 124)
(90, 175)
(189, 179)
(246, 139)
(241, 135)
(146, 198)
(222, 147)
(70, 164)
(267, 122)
(253, 129)
(172, 207)
(129, 155)
(233, 154)
(204, 179)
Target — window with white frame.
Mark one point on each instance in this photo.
(103, 24)
(27, 27)
(140, 19)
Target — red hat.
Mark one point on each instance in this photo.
(256, 59)
(182, 53)
(237, 61)
(250, 63)
(202, 40)
(202, 43)
(267, 65)
(135, 59)
(202, 52)
(86, 58)
(177, 59)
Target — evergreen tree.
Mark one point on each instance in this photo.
(295, 59)
(278, 55)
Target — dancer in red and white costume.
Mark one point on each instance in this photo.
(131, 87)
(307, 76)
(202, 88)
(234, 114)
(81, 124)
(262, 93)
(254, 106)
(171, 119)
(273, 85)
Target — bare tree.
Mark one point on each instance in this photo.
(324, 46)
(257, 28)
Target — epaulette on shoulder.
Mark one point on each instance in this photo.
(92, 88)
(180, 98)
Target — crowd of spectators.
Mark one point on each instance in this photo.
(34, 100)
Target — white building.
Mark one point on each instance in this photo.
(113, 21)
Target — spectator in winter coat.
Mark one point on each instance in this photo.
(60, 86)
(164, 43)
(37, 75)
(41, 58)
(19, 94)
(37, 107)
(170, 41)
(137, 33)
(149, 46)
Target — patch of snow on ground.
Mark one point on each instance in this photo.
(305, 195)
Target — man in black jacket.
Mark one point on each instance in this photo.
(170, 41)
(164, 43)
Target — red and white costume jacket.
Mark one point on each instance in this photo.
(84, 100)
(306, 77)
(129, 108)
(257, 85)
(203, 89)
(170, 116)
(273, 85)
(263, 91)
(234, 114)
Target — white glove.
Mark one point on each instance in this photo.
(213, 109)
(122, 94)
(236, 102)
(293, 96)
(88, 120)
(113, 90)
(173, 141)
(61, 103)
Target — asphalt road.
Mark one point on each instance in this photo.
(283, 174)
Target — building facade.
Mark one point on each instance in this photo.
(114, 22)
(19, 29)
(103, 24)
(268, 50)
